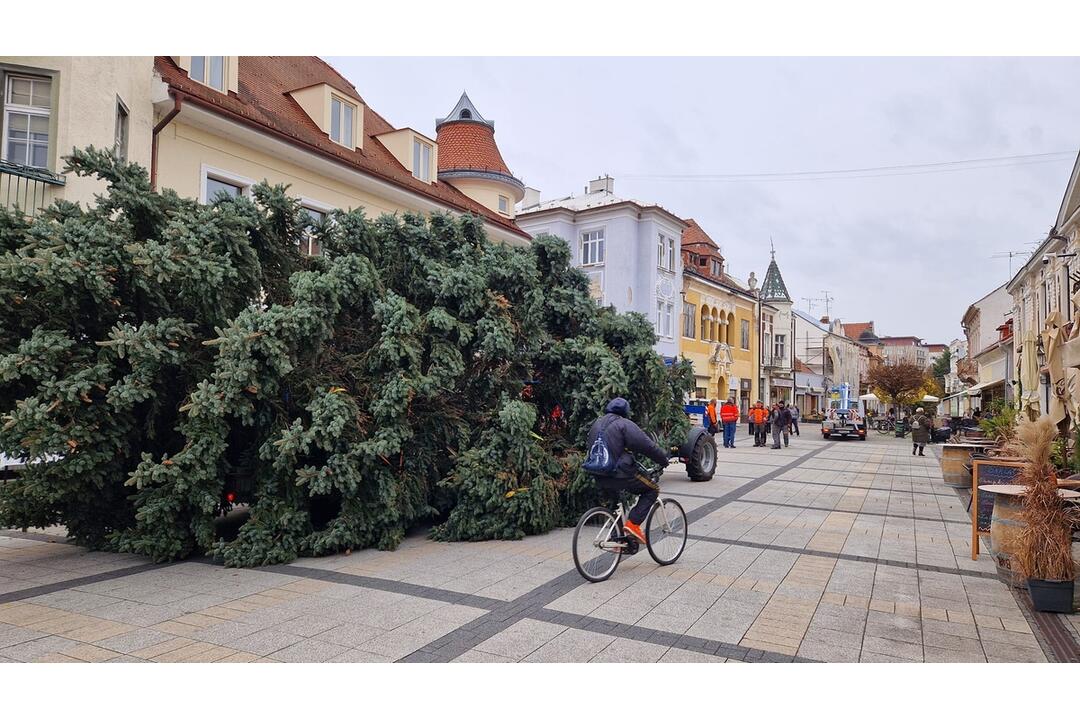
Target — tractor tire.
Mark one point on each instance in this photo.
(701, 463)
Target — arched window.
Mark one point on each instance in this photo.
(715, 326)
(731, 329)
(705, 323)
(465, 114)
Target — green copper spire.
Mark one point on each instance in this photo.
(773, 287)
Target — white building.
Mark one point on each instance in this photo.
(630, 251)
(777, 327)
(988, 327)
(828, 352)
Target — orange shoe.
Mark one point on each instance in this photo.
(634, 531)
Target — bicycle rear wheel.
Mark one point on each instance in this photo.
(595, 562)
(665, 529)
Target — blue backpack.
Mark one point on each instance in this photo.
(600, 460)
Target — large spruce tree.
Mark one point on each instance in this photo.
(154, 352)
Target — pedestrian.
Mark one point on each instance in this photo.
(795, 419)
(710, 413)
(920, 431)
(759, 418)
(729, 416)
(781, 424)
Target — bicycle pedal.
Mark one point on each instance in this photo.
(630, 546)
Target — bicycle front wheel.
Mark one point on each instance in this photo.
(883, 428)
(665, 530)
(594, 553)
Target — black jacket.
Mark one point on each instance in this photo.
(781, 418)
(623, 437)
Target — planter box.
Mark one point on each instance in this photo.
(1051, 595)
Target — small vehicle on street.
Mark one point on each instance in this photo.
(600, 541)
(845, 417)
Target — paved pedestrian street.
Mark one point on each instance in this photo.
(836, 552)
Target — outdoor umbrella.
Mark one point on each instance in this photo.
(930, 398)
(1029, 374)
(868, 396)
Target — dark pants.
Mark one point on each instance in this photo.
(761, 433)
(729, 434)
(795, 426)
(646, 491)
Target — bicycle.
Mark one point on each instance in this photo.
(885, 425)
(600, 542)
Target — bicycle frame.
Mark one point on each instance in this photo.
(603, 538)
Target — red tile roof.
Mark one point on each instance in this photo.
(468, 145)
(263, 101)
(854, 330)
(694, 234)
(802, 367)
(900, 340)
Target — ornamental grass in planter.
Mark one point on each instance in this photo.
(1044, 550)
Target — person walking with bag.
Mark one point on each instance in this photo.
(921, 426)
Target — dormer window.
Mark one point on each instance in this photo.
(342, 118)
(421, 168)
(504, 205)
(209, 70)
(465, 114)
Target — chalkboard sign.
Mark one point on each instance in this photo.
(988, 472)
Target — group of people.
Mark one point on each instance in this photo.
(780, 419)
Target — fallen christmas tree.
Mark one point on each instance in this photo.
(157, 353)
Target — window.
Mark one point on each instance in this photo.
(215, 187)
(592, 247)
(341, 121)
(665, 253)
(689, 319)
(504, 205)
(307, 241)
(596, 286)
(778, 347)
(209, 70)
(744, 334)
(421, 161)
(717, 268)
(216, 182)
(665, 318)
(120, 138)
(27, 103)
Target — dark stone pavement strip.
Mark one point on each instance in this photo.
(662, 637)
(830, 510)
(1056, 640)
(394, 586)
(40, 590)
(531, 603)
(847, 556)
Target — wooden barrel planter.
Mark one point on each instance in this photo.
(1006, 524)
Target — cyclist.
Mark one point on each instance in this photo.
(622, 437)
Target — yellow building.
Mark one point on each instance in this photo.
(226, 123)
(719, 324)
(53, 104)
(213, 124)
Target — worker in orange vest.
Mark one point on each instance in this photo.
(729, 416)
(710, 412)
(759, 416)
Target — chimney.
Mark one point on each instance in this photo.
(532, 197)
(602, 184)
(824, 319)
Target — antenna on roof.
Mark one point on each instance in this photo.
(827, 298)
(810, 303)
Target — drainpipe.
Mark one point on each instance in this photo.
(154, 141)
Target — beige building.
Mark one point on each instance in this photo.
(213, 124)
(53, 104)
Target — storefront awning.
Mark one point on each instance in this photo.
(977, 389)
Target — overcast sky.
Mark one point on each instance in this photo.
(909, 252)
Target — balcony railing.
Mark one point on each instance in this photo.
(26, 188)
(776, 361)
